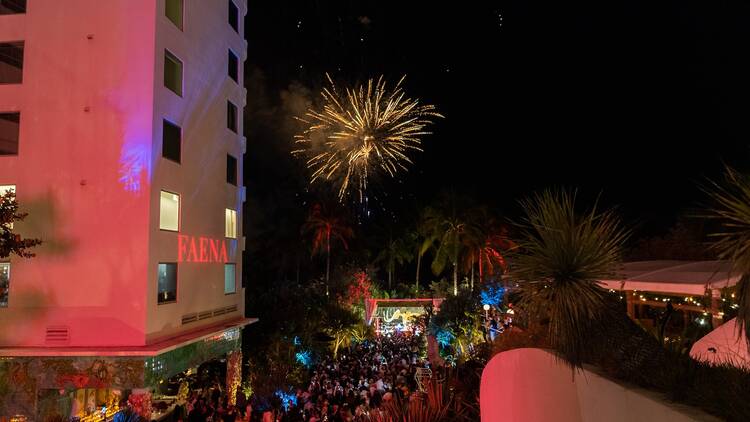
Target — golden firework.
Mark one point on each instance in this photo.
(362, 131)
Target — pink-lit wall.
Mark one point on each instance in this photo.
(89, 169)
(530, 385)
(69, 168)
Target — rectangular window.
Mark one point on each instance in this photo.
(173, 12)
(169, 211)
(230, 279)
(9, 7)
(234, 66)
(172, 73)
(232, 116)
(231, 170)
(11, 62)
(230, 224)
(171, 141)
(9, 128)
(234, 16)
(167, 283)
(5, 283)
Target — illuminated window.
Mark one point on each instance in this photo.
(230, 224)
(234, 16)
(169, 211)
(9, 7)
(5, 283)
(234, 66)
(231, 170)
(232, 116)
(5, 189)
(171, 140)
(9, 128)
(11, 62)
(173, 12)
(230, 279)
(167, 283)
(172, 73)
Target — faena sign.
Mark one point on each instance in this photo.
(200, 249)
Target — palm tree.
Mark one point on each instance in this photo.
(487, 246)
(421, 241)
(396, 252)
(562, 256)
(732, 211)
(324, 223)
(450, 231)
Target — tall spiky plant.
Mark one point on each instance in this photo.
(732, 240)
(561, 256)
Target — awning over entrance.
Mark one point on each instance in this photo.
(154, 349)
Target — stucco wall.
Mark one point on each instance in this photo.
(90, 169)
(86, 115)
(530, 385)
(200, 178)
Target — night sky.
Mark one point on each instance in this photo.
(637, 100)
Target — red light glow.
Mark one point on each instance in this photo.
(201, 249)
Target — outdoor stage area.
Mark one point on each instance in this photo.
(397, 315)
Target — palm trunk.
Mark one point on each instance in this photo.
(419, 264)
(455, 278)
(481, 276)
(328, 258)
(472, 274)
(390, 277)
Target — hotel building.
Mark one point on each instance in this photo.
(121, 134)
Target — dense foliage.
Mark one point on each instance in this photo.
(11, 242)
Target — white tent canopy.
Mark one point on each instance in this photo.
(677, 277)
(723, 346)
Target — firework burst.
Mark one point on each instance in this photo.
(360, 132)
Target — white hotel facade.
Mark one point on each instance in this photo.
(121, 134)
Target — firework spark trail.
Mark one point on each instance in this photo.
(362, 131)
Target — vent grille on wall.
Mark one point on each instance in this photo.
(188, 318)
(57, 334)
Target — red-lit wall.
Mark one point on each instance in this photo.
(90, 169)
(85, 145)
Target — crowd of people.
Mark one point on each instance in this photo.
(496, 323)
(359, 383)
(215, 407)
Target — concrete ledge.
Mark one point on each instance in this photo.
(532, 385)
(156, 348)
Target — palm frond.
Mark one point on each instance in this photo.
(561, 256)
(732, 239)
